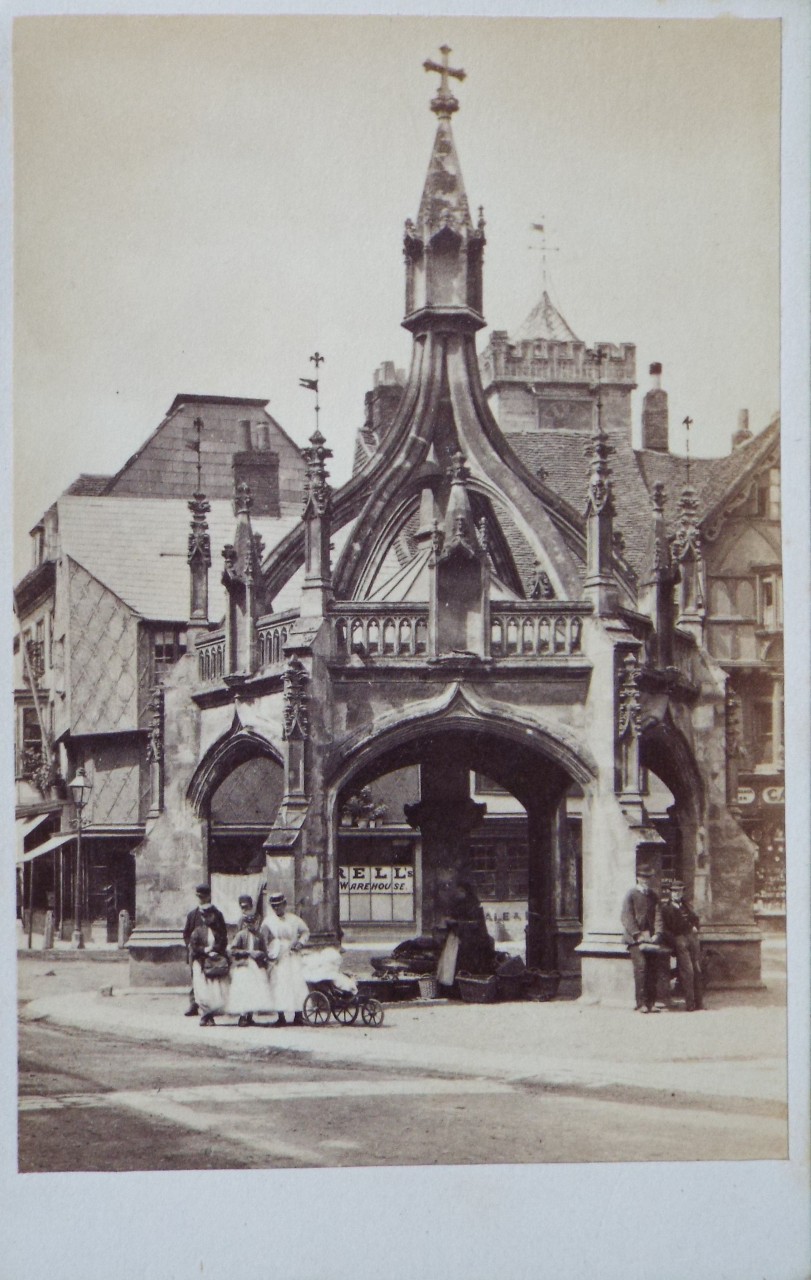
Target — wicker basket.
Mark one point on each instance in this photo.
(427, 987)
(478, 990)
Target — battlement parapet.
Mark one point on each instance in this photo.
(546, 360)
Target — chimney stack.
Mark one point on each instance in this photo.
(263, 437)
(654, 414)
(743, 435)
(245, 435)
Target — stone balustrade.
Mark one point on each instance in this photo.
(381, 630)
(536, 629)
(211, 657)
(271, 637)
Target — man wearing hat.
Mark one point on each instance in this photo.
(642, 927)
(212, 919)
(680, 926)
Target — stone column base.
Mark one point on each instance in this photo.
(607, 977)
(158, 958)
(731, 958)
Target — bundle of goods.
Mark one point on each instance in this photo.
(325, 966)
(415, 955)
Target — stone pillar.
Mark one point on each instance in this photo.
(199, 558)
(542, 915)
(154, 750)
(692, 606)
(600, 585)
(172, 857)
(300, 848)
(445, 815)
(317, 589)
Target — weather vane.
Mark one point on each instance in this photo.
(545, 248)
(311, 384)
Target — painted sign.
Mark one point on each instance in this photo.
(746, 795)
(774, 795)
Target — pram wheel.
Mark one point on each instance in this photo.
(345, 1013)
(316, 1009)
(372, 1013)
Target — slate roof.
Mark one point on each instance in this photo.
(137, 548)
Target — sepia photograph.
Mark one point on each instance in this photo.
(401, 779)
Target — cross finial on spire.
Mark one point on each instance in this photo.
(444, 103)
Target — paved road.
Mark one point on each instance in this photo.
(92, 1104)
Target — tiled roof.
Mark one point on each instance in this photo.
(88, 486)
(559, 457)
(137, 548)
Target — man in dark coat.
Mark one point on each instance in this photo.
(642, 926)
(680, 930)
(213, 920)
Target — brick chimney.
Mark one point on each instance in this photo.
(743, 435)
(654, 414)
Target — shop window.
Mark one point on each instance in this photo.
(376, 886)
(500, 869)
(168, 645)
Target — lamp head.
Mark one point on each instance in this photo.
(80, 788)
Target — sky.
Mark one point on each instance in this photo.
(203, 202)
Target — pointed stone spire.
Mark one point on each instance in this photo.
(443, 249)
(240, 574)
(317, 588)
(460, 579)
(460, 529)
(199, 557)
(687, 550)
(600, 584)
(663, 576)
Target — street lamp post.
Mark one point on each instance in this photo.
(80, 789)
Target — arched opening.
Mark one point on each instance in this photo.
(673, 798)
(457, 809)
(240, 812)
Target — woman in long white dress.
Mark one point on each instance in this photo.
(209, 969)
(248, 988)
(287, 933)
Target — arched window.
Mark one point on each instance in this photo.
(528, 636)
(421, 636)
(389, 636)
(512, 635)
(373, 635)
(543, 636)
(560, 635)
(497, 636)
(405, 636)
